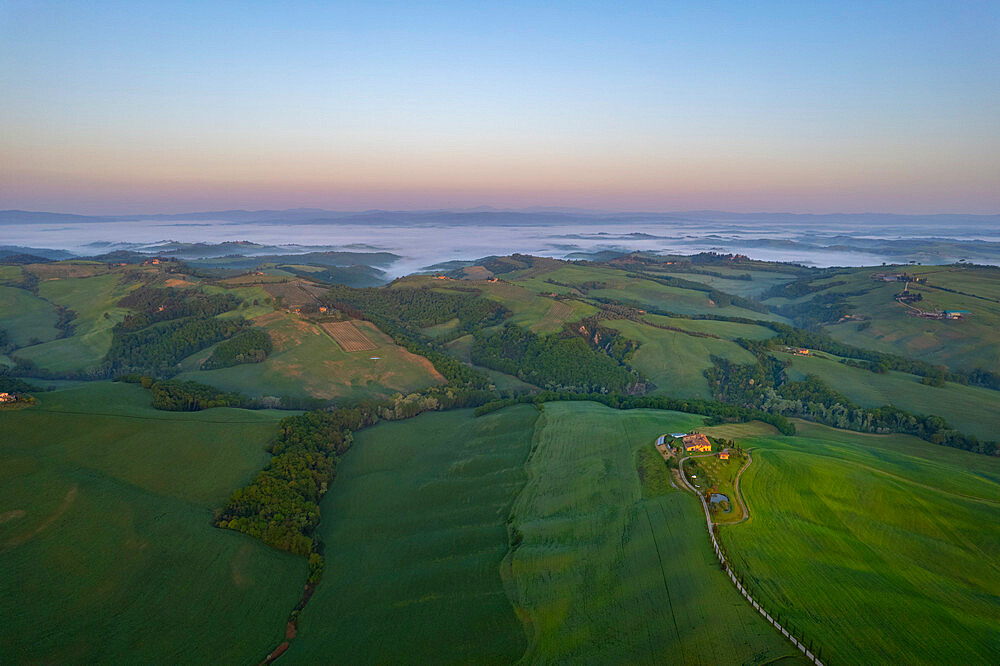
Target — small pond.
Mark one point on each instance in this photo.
(718, 498)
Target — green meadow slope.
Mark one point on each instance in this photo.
(882, 548)
(93, 300)
(437, 525)
(27, 318)
(607, 573)
(675, 361)
(106, 540)
(972, 342)
(415, 527)
(307, 362)
(970, 409)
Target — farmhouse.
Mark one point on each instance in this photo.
(724, 455)
(7, 397)
(697, 442)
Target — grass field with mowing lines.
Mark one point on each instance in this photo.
(415, 527)
(107, 546)
(970, 409)
(674, 361)
(90, 298)
(25, 317)
(610, 572)
(880, 547)
(306, 362)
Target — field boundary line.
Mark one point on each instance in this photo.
(139, 417)
(732, 576)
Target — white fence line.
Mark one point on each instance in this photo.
(739, 586)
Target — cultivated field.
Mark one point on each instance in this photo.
(347, 336)
(416, 525)
(306, 362)
(874, 545)
(294, 293)
(106, 544)
(609, 572)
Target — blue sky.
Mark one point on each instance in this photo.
(114, 107)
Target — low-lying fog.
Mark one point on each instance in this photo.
(427, 244)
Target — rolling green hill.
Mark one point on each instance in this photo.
(878, 546)
(675, 361)
(307, 362)
(106, 537)
(416, 525)
(606, 573)
(602, 568)
(971, 409)
(93, 300)
(27, 318)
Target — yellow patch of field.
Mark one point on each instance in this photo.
(66, 269)
(347, 336)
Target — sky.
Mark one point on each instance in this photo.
(870, 106)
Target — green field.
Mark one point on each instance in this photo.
(10, 274)
(415, 527)
(636, 290)
(248, 295)
(609, 574)
(879, 547)
(674, 361)
(970, 409)
(307, 362)
(761, 282)
(106, 544)
(91, 298)
(727, 330)
(609, 565)
(26, 317)
(536, 313)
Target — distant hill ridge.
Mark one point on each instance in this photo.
(487, 215)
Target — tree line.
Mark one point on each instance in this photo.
(250, 346)
(560, 361)
(763, 386)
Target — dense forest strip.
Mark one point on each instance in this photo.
(558, 361)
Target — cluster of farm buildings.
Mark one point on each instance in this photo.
(694, 442)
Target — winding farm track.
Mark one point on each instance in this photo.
(725, 563)
(736, 484)
(739, 493)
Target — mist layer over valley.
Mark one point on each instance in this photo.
(400, 243)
